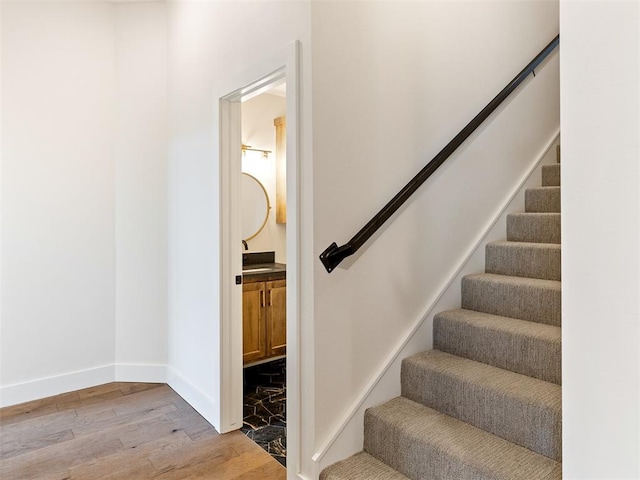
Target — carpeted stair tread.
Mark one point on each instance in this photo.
(533, 227)
(542, 200)
(424, 444)
(531, 299)
(529, 348)
(551, 175)
(518, 408)
(524, 259)
(361, 466)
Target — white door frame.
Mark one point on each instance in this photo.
(257, 79)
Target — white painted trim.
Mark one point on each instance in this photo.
(200, 401)
(300, 259)
(69, 382)
(143, 373)
(431, 304)
(230, 266)
(299, 476)
(2, 396)
(55, 385)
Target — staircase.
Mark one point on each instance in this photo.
(485, 403)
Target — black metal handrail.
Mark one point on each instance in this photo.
(334, 254)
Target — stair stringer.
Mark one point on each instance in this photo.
(347, 435)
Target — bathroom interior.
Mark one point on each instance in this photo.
(264, 270)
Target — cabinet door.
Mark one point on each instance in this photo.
(253, 322)
(277, 318)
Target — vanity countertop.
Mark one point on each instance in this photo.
(264, 272)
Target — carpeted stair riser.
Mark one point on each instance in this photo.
(551, 175)
(424, 444)
(361, 466)
(542, 200)
(529, 299)
(533, 227)
(529, 348)
(521, 409)
(521, 259)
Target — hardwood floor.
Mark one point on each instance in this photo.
(129, 431)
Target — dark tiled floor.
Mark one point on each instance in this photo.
(265, 401)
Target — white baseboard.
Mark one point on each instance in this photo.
(200, 401)
(68, 382)
(140, 373)
(298, 476)
(346, 438)
(55, 385)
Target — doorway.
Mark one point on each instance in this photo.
(264, 257)
(260, 78)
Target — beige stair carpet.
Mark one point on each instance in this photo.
(485, 404)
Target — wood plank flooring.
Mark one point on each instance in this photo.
(128, 431)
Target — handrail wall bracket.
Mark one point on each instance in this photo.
(333, 255)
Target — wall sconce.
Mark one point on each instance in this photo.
(245, 148)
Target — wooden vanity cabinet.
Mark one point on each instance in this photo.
(277, 318)
(254, 346)
(264, 320)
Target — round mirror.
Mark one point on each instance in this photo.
(255, 206)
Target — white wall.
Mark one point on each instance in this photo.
(209, 44)
(141, 190)
(600, 75)
(58, 256)
(386, 98)
(258, 131)
(83, 196)
(393, 82)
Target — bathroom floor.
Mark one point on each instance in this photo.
(265, 401)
